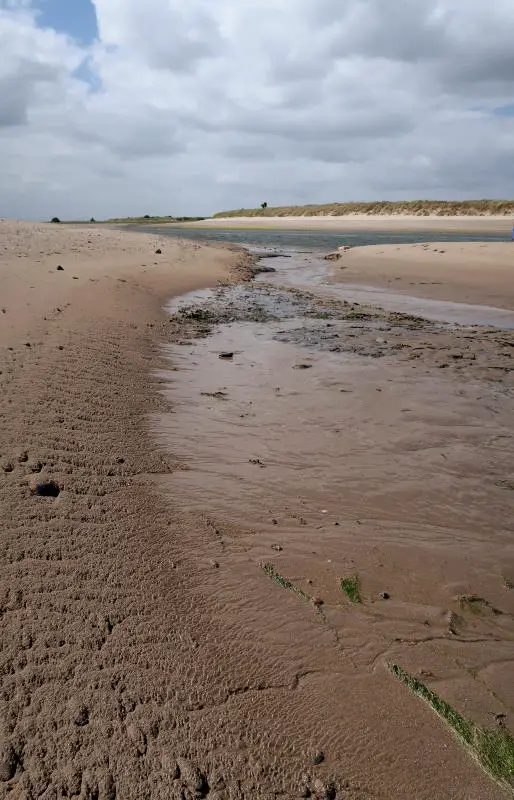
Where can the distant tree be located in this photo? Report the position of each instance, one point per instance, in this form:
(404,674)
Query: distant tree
(264,205)
(92,219)
(55,220)
(146,216)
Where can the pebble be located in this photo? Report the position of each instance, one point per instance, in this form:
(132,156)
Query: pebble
(192,777)
(60,269)
(274,521)
(318,757)
(48,489)
(226,356)
(158,252)
(277,547)
(7,466)
(214,564)
(384,595)
(317,601)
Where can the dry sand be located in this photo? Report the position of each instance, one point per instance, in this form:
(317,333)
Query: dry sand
(132,666)
(464,272)
(365,222)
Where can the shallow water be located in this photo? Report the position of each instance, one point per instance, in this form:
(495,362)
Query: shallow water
(316,240)
(326,464)
(308,272)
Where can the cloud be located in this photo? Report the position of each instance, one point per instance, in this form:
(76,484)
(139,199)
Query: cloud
(191,107)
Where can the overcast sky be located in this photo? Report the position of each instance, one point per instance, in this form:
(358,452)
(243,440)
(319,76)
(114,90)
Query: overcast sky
(121,107)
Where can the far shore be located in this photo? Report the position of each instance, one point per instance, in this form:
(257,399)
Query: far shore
(363,222)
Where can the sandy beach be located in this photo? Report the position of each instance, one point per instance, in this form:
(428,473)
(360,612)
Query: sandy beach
(363,222)
(145,652)
(464,272)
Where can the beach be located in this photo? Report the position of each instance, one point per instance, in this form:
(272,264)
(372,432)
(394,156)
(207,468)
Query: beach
(463,272)
(364,222)
(177,616)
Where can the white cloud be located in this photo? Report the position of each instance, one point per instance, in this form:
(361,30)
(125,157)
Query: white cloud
(207,104)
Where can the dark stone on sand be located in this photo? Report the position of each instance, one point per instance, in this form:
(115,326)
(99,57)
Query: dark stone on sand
(226,356)
(8,763)
(384,595)
(82,717)
(7,466)
(60,269)
(261,269)
(277,547)
(158,252)
(318,758)
(48,489)
(302,366)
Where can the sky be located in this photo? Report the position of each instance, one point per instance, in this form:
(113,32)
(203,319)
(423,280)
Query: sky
(188,107)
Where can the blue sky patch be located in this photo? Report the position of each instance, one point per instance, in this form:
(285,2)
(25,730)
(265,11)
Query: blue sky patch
(504,111)
(77,18)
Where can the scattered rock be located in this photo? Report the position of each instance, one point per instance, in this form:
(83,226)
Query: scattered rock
(277,547)
(226,356)
(23,457)
(384,596)
(192,777)
(8,762)
(158,252)
(82,717)
(35,465)
(318,757)
(214,564)
(137,736)
(332,256)
(7,466)
(60,269)
(274,521)
(317,601)
(302,366)
(256,461)
(48,489)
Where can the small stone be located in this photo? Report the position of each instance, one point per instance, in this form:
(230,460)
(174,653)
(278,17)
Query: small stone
(82,717)
(302,366)
(226,356)
(214,564)
(60,269)
(192,777)
(318,757)
(274,521)
(48,489)
(35,466)
(384,595)
(277,547)
(7,466)
(317,601)
(158,252)
(8,762)
(23,457)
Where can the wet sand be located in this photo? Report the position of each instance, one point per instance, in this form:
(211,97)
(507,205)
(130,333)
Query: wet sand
(145,652)
(341,441)
(463,272)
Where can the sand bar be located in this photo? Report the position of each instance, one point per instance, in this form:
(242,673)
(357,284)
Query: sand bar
(463,272)
(363,222)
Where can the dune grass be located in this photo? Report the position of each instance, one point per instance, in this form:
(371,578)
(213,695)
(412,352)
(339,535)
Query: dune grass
(352,588)
(493,749)
(419,208)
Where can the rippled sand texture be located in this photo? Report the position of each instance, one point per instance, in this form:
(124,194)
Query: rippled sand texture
(326,459)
